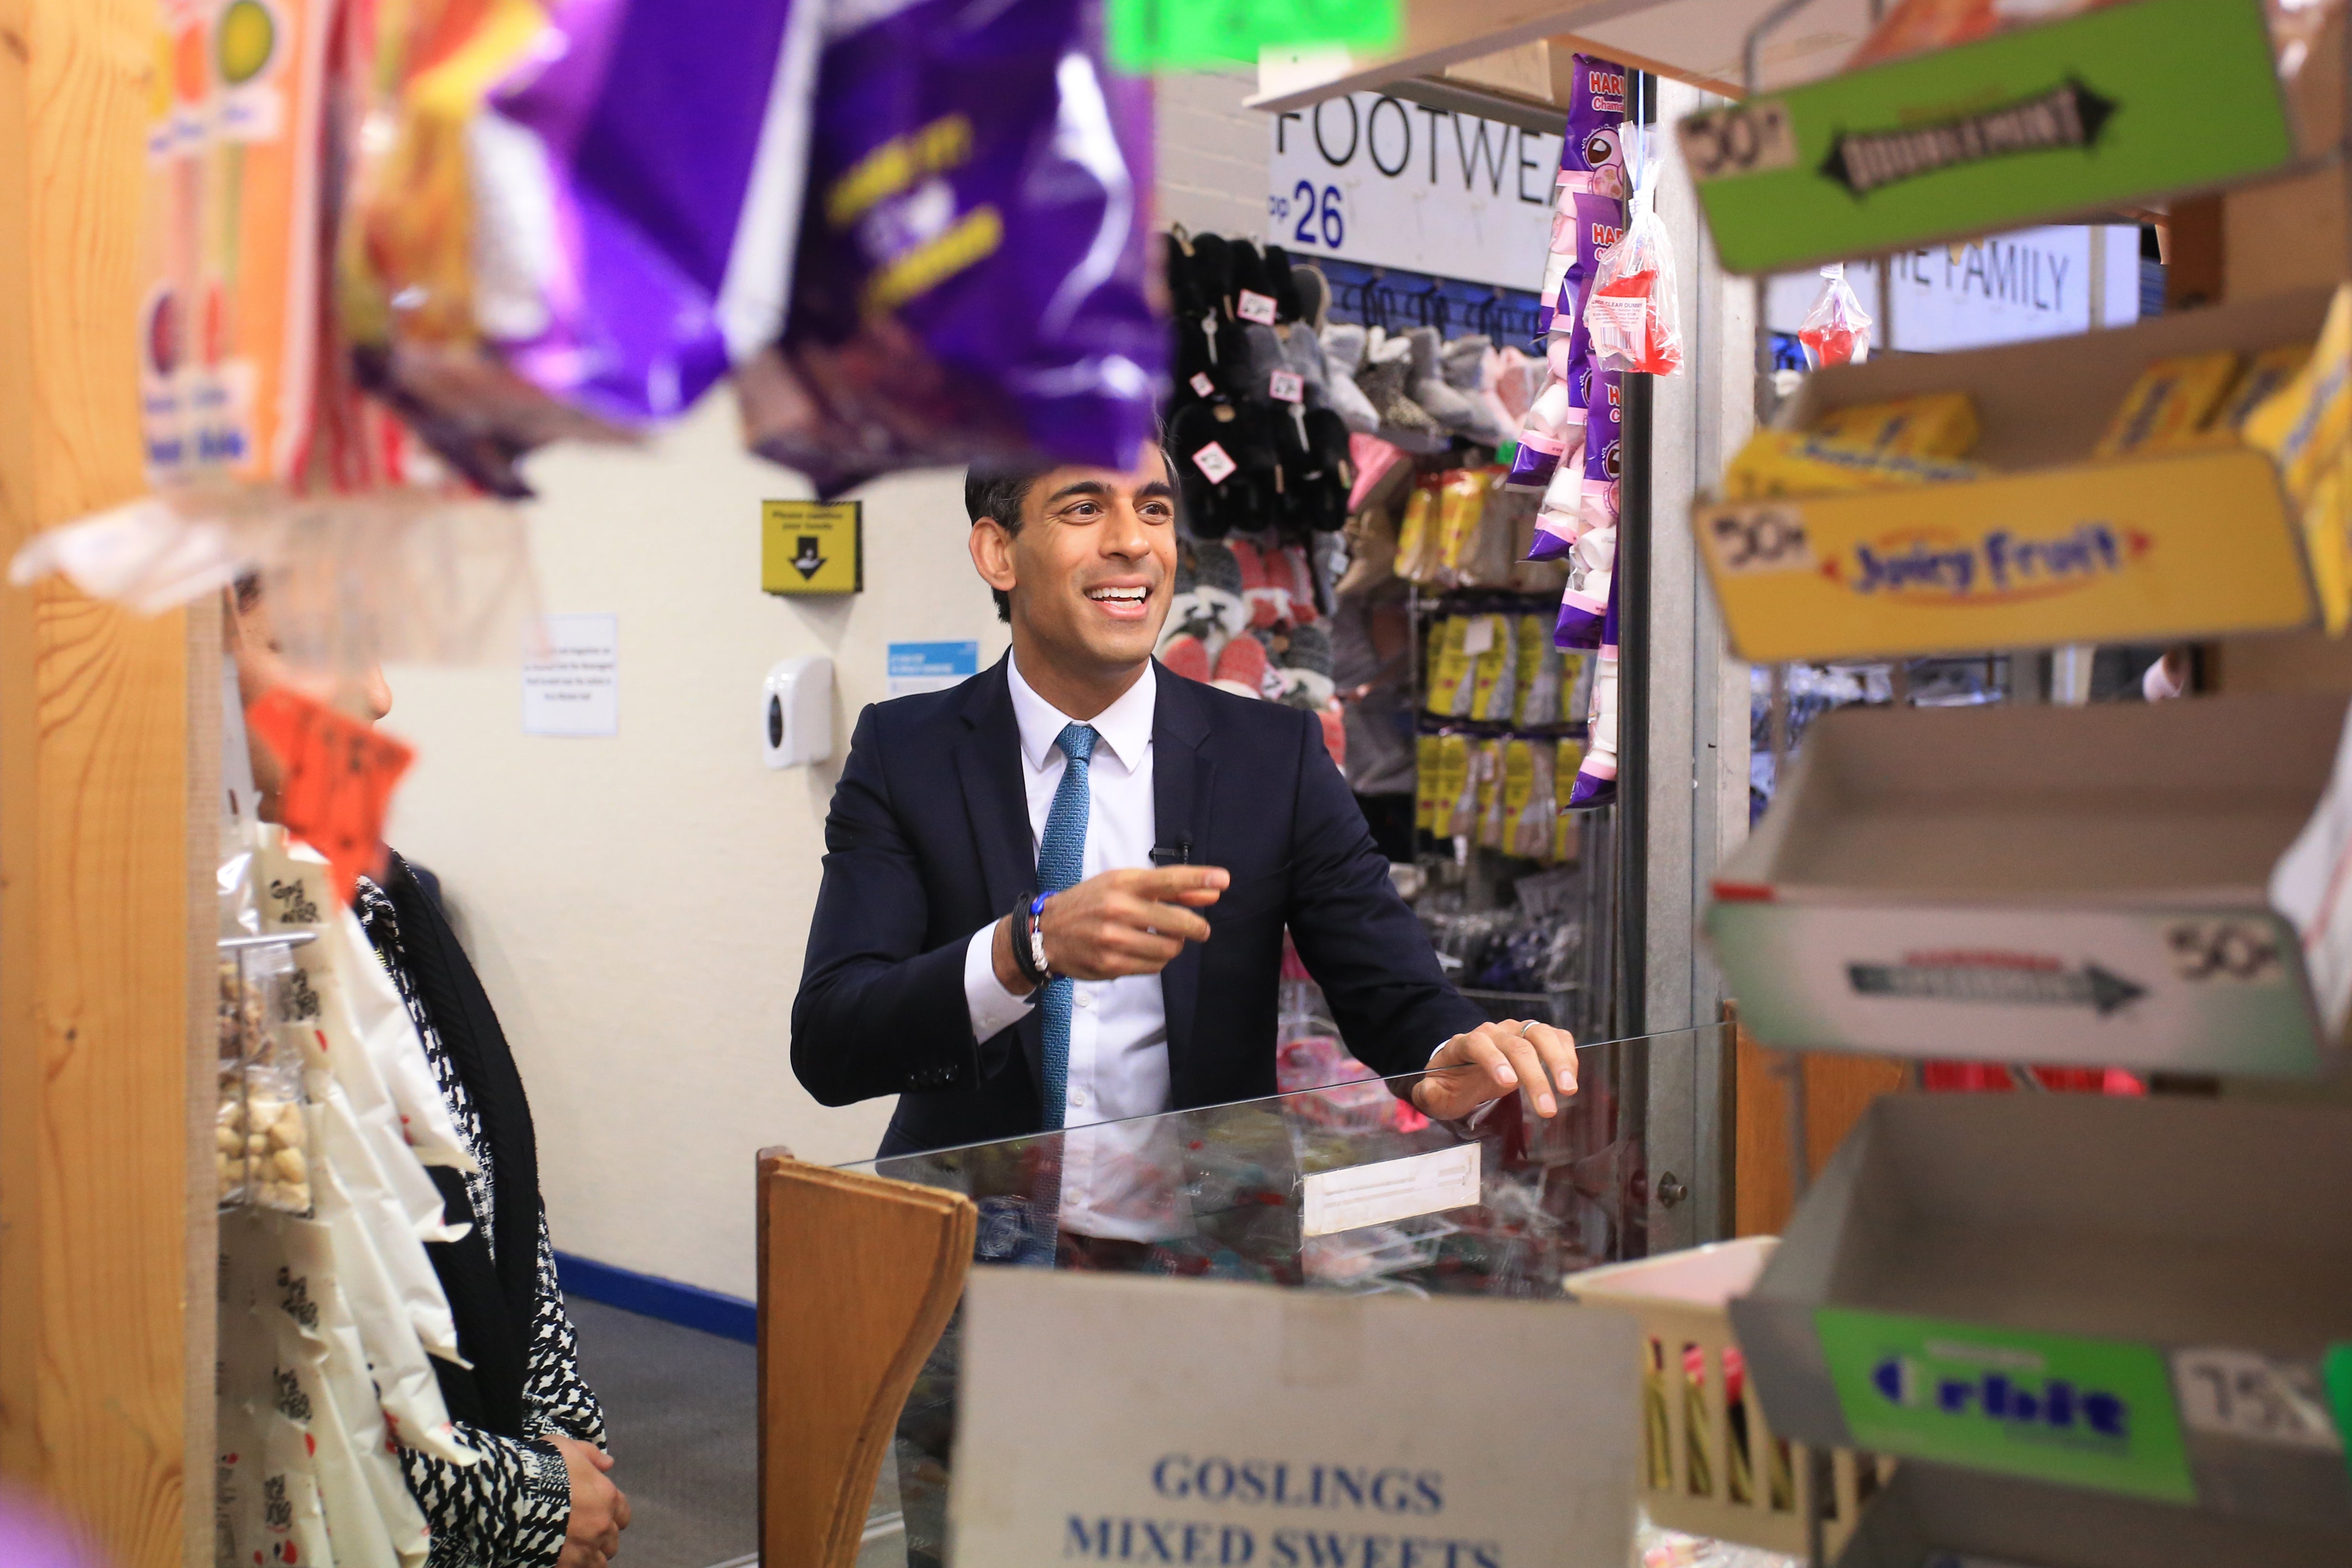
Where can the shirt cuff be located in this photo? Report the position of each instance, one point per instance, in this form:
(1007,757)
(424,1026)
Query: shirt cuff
(993,1009)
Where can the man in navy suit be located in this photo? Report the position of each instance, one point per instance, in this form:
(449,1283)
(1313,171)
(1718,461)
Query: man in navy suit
(1054,895)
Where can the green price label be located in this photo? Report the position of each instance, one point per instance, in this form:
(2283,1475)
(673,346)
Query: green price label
(2085,1412)
(1191,35)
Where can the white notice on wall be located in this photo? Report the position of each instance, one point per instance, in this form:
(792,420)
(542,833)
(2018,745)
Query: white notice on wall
(1107,1418)
(573,686)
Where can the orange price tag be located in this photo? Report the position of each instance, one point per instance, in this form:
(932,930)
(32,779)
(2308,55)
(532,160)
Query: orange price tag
(340,775)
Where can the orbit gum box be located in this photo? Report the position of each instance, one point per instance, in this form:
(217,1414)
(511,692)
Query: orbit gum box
(1854,528)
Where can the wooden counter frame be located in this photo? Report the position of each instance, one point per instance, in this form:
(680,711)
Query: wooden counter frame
(109,769)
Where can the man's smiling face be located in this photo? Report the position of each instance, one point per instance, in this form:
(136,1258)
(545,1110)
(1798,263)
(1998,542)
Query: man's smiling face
(1091,569)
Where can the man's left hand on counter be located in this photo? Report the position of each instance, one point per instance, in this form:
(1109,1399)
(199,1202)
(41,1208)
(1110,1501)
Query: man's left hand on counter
(1491,1061)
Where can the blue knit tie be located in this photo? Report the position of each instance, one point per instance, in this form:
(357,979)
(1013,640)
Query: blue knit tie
(1061,860)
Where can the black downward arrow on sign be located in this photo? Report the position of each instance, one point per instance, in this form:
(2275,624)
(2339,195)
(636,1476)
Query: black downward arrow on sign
(808,563)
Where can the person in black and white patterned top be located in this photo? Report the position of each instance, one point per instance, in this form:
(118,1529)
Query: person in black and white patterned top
(512,1509)
(540,1496)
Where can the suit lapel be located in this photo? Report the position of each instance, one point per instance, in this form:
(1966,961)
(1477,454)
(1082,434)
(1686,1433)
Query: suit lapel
(988,766)
(1184,772)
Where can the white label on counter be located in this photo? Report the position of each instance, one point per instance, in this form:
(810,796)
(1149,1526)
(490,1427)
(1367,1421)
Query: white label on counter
(2241,1394)
(1390,1190)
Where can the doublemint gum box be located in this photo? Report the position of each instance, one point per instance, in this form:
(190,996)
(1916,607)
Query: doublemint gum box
(2118,1296)
(2159,887)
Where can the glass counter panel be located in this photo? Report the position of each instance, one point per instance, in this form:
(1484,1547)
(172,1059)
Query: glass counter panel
(1505,1203)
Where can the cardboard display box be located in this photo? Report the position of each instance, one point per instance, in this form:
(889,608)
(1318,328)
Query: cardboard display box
(2119,106)
(2055,547)
(1934,1517)
(2153,887)
(2123,1296)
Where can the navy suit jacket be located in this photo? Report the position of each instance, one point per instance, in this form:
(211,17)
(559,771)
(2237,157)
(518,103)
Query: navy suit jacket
(928,840)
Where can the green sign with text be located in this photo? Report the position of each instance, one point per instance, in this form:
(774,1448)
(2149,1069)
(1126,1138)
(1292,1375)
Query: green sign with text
(2075,1412)
(2117,105)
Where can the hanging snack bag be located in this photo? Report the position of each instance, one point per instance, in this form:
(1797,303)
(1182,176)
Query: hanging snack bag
(1591,162)
(1446,663)
(1452,782)
(1631,310)
(972,276)
(359,1205)
(1531,818)
(1425,765)
(1419,537)
(571,221)
(1462,503)
(1584,604)
(1567,764)
(308,1296)
(1835,331)
(1535,689)
(1493,658)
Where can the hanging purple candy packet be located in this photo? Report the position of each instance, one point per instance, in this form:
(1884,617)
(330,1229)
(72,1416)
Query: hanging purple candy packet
(973,251)
(1591,161)
(1602,422)
(634,186)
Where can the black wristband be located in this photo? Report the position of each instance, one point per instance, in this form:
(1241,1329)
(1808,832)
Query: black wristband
(1022,960)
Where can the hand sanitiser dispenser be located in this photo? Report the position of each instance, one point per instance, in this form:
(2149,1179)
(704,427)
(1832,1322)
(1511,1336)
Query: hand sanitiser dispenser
(796,712)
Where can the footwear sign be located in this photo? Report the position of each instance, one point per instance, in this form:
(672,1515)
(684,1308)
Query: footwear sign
(813,547)
(2116,105)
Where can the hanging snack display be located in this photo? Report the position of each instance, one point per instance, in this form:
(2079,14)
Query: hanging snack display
(971,276)
(545,237)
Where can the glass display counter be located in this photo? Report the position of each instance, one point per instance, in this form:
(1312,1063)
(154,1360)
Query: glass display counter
(1343,1187)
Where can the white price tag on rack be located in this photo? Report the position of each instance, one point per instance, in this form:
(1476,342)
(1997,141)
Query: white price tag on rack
(1217,462)
(2259,1398)
(1287,386)
(1254,307)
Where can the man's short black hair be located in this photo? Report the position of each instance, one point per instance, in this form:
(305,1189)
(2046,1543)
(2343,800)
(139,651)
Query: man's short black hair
(997,490)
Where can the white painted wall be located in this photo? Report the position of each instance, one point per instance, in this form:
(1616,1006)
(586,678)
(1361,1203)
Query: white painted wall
(637,906)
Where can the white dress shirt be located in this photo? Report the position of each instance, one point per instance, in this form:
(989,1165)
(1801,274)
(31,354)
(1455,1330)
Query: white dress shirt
(1118,1028)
